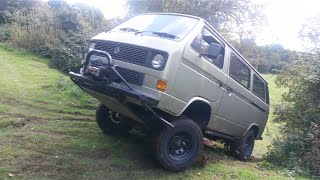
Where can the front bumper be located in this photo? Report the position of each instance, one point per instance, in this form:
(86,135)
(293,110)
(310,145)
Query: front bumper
(109,89)
(121,96)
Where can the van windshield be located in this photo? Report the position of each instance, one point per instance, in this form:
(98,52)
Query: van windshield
(165,26)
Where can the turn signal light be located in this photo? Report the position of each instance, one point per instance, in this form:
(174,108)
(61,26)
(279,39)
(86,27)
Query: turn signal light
(161,85)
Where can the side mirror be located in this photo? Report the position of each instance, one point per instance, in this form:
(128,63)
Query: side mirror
(214,50)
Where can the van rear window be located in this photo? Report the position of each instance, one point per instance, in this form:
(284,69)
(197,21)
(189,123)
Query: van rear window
(259,88)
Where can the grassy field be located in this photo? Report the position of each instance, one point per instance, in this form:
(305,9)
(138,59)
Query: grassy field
(47,131)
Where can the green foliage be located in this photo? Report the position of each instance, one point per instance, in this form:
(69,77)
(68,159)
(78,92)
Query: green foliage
(299,145)
(9,7)
(5,32)
(68,53)
(268,58)
(53,29)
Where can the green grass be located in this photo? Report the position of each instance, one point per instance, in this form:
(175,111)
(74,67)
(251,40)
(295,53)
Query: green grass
(47,131)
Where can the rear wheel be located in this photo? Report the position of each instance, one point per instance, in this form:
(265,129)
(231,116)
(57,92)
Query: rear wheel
(111,122)
(242,148)
(179,147)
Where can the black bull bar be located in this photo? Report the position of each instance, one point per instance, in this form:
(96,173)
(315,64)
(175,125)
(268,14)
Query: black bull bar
(105,87)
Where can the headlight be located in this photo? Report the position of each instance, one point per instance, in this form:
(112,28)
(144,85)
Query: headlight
(158,61)
(91,46)
(98,60)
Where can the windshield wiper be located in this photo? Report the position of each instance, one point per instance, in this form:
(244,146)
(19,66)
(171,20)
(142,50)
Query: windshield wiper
(129,29)
(167,35)
(161,34)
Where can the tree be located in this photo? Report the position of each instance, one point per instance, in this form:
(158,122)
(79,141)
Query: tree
(9,7)
(310,33)
(268,58)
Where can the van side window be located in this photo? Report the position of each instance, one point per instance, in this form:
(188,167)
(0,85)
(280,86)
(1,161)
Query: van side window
(259,88)
(239,71)
(201,44)
(267,95)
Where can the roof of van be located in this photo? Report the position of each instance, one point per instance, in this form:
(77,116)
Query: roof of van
(220,36)
(175,14)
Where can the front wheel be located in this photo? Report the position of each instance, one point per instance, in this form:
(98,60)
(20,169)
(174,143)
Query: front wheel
(111,122)
(242,149)
(179,147)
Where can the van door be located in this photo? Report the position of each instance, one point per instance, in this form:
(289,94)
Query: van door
(199,75)
(234,107)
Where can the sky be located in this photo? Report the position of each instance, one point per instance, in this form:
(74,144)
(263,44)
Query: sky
(110,8)
(284,18)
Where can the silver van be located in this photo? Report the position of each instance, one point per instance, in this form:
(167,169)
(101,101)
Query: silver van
(180,80)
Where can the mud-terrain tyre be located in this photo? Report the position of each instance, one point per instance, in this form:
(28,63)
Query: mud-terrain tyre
(242,148)
(177,148)
(105,119)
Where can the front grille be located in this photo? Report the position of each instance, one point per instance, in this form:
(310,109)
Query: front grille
(124,52)
(131,76)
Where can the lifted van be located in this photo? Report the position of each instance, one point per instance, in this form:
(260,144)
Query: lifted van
(178,78)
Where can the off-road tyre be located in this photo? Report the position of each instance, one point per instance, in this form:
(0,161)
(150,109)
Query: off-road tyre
(107,124)
(179,147)
(242,148)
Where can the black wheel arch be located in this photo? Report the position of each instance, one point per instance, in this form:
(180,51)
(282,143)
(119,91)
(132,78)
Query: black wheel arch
(255,128)
(199,111)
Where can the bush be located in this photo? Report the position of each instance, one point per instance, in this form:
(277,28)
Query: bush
(299,145)
(5,33)
(312,157)
(66,57)
(54,29)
